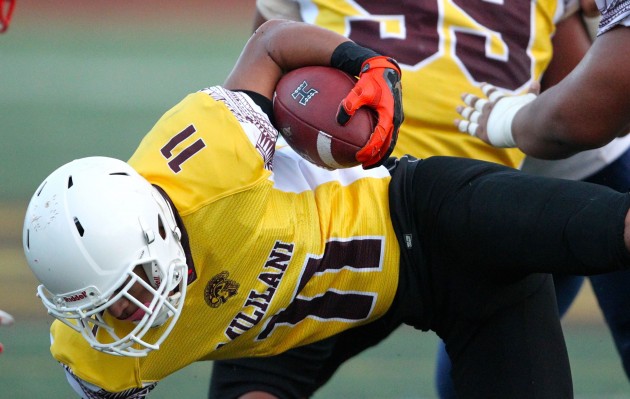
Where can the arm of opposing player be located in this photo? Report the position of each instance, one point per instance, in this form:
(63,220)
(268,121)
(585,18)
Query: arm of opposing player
(570,44)
(586,110)
(490,117)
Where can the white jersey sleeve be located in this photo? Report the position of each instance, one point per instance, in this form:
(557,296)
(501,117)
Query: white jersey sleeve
(581,165)
(284,9)
(614,13)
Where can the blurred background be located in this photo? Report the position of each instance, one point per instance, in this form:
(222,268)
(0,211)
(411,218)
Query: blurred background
(85,77)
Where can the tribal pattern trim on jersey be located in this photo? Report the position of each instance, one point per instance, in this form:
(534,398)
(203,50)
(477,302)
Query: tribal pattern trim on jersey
(614,12)
(255,123)
(89,393)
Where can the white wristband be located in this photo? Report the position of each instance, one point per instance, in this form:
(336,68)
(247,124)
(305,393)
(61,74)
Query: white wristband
(501,116)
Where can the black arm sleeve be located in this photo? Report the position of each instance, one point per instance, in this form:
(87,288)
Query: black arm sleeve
(492,217)
(349,57)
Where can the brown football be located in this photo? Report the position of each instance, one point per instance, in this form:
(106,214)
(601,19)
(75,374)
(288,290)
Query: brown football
(305,106)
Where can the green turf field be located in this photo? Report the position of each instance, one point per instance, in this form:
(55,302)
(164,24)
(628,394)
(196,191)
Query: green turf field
(399,368)
(73,86)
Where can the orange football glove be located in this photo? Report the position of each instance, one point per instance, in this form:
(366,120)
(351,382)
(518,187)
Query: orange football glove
(378,88)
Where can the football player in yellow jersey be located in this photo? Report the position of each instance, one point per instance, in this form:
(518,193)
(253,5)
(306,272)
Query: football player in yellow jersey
(210,244)
(443,49)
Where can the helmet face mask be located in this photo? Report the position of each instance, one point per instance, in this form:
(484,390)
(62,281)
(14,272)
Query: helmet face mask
(89,320)
(89,225)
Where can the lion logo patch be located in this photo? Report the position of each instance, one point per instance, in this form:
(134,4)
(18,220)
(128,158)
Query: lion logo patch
(219,289)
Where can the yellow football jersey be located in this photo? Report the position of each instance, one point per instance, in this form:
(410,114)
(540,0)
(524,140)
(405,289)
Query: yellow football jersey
(284,253)
(446,48)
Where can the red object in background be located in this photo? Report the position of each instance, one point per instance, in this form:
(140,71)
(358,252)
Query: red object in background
(6,12)
(5,320)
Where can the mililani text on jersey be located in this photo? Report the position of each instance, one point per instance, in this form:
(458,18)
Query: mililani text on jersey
(257,303)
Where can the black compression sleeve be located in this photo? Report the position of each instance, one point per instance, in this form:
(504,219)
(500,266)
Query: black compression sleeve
(349,57)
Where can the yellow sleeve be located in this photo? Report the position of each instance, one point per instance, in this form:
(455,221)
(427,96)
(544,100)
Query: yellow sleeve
(200,152)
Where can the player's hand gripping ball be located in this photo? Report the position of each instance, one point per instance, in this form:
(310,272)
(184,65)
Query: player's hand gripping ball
(378,88)
(305,107)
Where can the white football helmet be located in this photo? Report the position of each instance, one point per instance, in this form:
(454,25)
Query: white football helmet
(88,225)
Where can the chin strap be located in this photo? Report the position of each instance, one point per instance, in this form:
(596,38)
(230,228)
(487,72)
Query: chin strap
(165,312)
